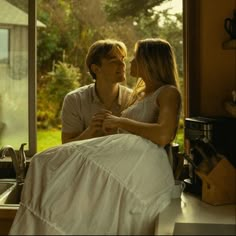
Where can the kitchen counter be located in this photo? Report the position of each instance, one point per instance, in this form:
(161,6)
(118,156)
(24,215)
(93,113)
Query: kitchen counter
(7,213)
(189,209)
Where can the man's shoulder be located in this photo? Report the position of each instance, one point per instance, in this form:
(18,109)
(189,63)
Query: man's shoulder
(86,89)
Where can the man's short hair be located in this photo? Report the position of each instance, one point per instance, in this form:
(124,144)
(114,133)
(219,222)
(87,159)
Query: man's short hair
(101,49)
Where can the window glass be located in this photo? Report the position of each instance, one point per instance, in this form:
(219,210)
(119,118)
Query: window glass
(71,27)
(4,46)
(14,123)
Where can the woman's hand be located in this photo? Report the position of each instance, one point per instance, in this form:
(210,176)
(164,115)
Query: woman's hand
(96,123)
(110,123)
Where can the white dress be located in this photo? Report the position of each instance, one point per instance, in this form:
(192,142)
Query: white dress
(117,184)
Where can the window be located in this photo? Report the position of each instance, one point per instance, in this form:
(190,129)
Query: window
(18,80)
(17,101)
(70,32)
(4,46)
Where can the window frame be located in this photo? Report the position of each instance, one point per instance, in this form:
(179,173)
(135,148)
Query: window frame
(32,42)
(191,56)
(32,55)
(191,32)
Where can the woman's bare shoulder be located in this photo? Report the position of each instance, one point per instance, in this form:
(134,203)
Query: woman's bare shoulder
(169,93)
(169,90)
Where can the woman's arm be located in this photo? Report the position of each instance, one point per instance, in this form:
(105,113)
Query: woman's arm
(163,131)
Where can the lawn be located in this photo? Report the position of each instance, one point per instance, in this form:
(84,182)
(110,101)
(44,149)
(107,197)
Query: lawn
(180,139)
(50,138)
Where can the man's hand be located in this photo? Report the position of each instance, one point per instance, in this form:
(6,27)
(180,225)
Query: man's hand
(110,123)
(96,124)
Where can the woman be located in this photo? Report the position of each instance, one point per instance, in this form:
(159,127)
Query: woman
(116,184)
(154,63)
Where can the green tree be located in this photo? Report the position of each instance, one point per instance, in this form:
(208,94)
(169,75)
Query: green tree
(120,9)
(54,86)
(148,22)
(65,37)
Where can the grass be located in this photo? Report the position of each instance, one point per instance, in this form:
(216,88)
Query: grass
(180,139)
(51,138)
(48,138)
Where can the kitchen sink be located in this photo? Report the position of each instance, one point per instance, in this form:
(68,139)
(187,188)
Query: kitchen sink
(10,192)
(4,186)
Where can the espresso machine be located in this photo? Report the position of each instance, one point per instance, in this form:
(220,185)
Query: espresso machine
(220,132)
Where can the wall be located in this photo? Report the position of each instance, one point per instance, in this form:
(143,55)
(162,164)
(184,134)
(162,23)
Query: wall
(217,67)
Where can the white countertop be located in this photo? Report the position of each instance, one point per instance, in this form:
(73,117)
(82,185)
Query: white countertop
(190,209)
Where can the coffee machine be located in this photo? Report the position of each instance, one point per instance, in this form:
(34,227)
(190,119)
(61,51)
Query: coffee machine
(220,131)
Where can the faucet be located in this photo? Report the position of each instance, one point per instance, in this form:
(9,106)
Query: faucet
(18,160)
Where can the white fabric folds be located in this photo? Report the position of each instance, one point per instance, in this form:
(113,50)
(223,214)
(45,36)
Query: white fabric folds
(116,184)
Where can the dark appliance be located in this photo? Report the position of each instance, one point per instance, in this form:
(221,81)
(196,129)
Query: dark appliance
(220,131)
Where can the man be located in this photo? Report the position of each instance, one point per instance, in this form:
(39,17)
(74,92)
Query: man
(84,109)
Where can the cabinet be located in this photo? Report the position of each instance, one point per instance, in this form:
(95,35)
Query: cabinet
(7,215)
(229,44)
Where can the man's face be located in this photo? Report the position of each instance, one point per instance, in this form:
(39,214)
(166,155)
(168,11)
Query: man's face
(112,68)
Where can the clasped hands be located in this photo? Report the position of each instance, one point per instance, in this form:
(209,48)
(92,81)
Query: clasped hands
(104,121)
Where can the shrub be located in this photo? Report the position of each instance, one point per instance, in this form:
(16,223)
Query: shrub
(53,88)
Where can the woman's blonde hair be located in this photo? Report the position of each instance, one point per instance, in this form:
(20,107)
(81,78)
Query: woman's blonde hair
(156,59)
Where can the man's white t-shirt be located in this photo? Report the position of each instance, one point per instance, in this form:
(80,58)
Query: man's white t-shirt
(81,104)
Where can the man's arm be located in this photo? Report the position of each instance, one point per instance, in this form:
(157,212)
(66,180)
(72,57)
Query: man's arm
(93,130)
(70,137)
